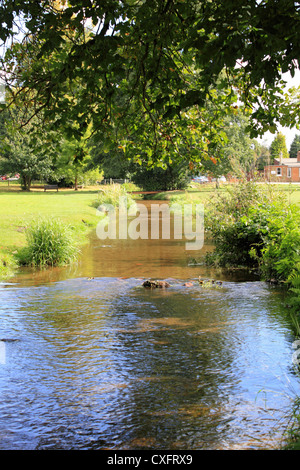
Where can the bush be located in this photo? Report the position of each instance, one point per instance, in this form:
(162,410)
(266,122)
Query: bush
(235,226)
(256,226)
(112,195)
(280,255)
(50,243)
(129,186)
(175,176)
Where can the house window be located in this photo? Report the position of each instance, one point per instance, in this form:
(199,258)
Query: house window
(278,171)
(289,172)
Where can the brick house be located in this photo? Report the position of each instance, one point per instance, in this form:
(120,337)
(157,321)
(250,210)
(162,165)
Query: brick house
(286,170)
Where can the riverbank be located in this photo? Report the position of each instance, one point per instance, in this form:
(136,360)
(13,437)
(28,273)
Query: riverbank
(203,192)
(18,210)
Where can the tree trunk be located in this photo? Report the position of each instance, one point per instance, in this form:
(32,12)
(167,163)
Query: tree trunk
(26,182)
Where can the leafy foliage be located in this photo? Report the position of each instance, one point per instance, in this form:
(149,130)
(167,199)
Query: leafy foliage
(148,69)
(256,227)
(7,264)
(174,176)
(278,147)
(295,297)
(73,163)
(234,226)
(295,147)
(24,151)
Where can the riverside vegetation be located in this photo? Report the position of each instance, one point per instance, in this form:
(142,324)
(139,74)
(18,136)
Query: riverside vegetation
(258,227)
(47,229)
(253,226)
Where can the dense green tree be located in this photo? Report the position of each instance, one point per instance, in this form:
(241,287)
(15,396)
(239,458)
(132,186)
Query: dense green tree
(263,156)
(295,146)
(144,64)
(237,154)
(278,147)
(110,159)
(175,176)
(22,157)
(73,164)
(23,151)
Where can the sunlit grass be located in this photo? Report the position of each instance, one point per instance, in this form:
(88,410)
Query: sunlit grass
(19,210)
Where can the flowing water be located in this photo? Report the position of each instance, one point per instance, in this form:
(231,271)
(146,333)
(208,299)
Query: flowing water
(90,359)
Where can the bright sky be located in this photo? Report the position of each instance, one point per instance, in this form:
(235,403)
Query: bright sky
(289,134)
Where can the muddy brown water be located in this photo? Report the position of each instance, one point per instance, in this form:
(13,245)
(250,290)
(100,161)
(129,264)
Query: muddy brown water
(90,359)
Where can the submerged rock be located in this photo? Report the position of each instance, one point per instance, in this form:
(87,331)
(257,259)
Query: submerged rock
(209,282)
(154,284)
(8,340)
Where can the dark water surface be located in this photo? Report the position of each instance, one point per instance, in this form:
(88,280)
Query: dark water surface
(91,359)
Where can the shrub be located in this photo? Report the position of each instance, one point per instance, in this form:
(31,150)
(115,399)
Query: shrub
(50,243)
(234,224)
(111,195)
(256,226)
(129,186)
(280,255)
(175,176)
(294,299)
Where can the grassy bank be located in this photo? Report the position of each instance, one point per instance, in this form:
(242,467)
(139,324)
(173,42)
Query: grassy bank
(202,193)
(18,211)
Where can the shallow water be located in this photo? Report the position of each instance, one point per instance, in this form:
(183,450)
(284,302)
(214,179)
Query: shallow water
(90,359)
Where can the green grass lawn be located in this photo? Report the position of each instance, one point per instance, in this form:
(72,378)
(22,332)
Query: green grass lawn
(203,192)
(19,209)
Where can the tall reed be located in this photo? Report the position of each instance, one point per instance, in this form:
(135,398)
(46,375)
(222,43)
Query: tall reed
(49,243)
(113,195)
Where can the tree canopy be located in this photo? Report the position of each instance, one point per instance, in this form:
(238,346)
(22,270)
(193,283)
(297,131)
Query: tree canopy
(26,152)
(278,147)
(149,68)
(295,146)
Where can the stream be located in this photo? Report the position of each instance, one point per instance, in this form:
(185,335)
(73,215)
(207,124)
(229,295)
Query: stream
(90,359)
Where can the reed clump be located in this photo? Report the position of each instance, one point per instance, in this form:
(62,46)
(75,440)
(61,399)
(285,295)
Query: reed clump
(113,195)
(50,242)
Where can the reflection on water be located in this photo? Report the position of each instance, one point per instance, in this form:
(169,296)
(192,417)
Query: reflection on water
(105,363)
(108,364)
(139,258)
